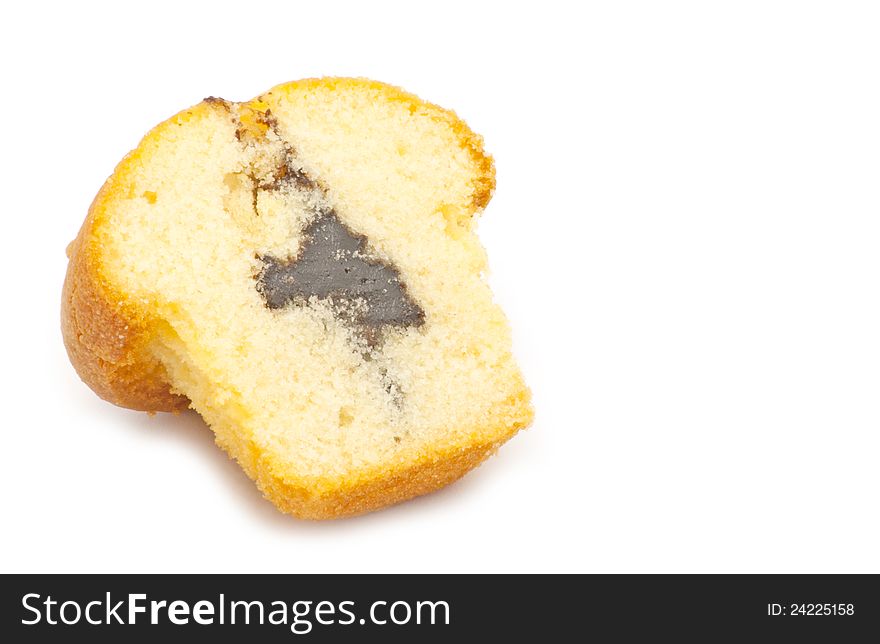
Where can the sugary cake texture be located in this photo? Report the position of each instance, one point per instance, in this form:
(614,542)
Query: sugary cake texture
(302,269)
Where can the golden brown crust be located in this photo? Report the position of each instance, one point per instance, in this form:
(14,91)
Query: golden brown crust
(105,339)
(108,340)
(380,489)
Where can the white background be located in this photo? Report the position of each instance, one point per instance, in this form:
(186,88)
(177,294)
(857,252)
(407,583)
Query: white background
(685,237)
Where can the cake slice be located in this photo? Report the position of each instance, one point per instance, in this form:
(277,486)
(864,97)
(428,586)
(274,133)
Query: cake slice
(302,269)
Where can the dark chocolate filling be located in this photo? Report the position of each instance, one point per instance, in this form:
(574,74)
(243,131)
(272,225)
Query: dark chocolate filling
(333,265)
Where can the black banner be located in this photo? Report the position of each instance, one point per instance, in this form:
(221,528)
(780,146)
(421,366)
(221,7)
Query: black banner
(319,608)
